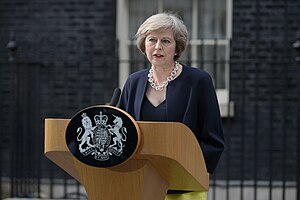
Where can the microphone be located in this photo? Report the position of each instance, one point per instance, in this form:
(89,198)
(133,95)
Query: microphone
(115,97)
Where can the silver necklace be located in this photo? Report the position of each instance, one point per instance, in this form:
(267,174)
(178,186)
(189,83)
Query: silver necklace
(166,82)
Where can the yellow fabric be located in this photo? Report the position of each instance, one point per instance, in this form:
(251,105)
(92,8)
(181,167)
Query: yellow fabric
(187,196)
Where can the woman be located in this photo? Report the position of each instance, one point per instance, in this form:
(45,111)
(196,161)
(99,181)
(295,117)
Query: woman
(171,91)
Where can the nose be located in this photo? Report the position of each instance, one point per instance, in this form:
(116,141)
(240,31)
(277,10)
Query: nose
(158,45)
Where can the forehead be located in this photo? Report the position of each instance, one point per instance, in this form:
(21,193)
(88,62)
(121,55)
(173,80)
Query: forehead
(161,34)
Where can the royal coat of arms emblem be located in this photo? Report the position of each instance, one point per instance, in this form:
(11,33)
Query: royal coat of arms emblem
(101,140)
(97,134)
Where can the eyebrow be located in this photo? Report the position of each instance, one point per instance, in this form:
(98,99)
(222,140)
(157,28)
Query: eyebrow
(170,38)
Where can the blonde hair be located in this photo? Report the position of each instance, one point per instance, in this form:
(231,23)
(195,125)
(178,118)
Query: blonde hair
(163,22)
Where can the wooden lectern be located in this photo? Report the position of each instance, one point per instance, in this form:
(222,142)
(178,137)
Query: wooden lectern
(168,157)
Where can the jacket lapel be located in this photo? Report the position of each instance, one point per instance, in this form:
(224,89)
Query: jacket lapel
(141,90)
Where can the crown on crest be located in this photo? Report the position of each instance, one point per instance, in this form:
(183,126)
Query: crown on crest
(100,119)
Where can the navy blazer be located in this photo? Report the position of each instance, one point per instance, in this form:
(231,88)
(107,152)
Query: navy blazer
(190,99)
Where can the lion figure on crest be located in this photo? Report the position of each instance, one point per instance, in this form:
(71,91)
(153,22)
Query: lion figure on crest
(87,135)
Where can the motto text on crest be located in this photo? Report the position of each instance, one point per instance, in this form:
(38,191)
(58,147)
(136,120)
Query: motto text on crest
(101,140)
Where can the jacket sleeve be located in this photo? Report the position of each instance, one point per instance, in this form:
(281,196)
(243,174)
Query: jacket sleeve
(211,137)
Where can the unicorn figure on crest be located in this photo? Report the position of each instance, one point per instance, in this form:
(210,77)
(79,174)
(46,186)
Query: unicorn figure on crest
(119,133)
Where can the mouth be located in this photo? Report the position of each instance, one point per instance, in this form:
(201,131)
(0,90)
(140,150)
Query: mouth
(158,55)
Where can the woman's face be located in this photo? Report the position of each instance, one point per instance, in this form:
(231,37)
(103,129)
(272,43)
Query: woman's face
(160,48)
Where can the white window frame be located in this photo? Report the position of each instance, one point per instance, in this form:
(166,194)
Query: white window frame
(226,106)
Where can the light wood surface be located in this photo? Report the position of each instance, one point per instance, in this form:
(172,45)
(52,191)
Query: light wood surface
(174,151)
(55,147)
(169,157)
(134,180)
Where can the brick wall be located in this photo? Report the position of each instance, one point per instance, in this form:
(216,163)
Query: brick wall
(65,61)
(262,136)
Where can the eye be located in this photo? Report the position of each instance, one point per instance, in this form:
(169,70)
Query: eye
(166,41)
(151,40)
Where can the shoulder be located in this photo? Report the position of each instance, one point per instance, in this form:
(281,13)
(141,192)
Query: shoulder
(196,74)
(136,76)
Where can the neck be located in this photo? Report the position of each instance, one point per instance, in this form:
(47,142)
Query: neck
(160,74)
(159,86)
